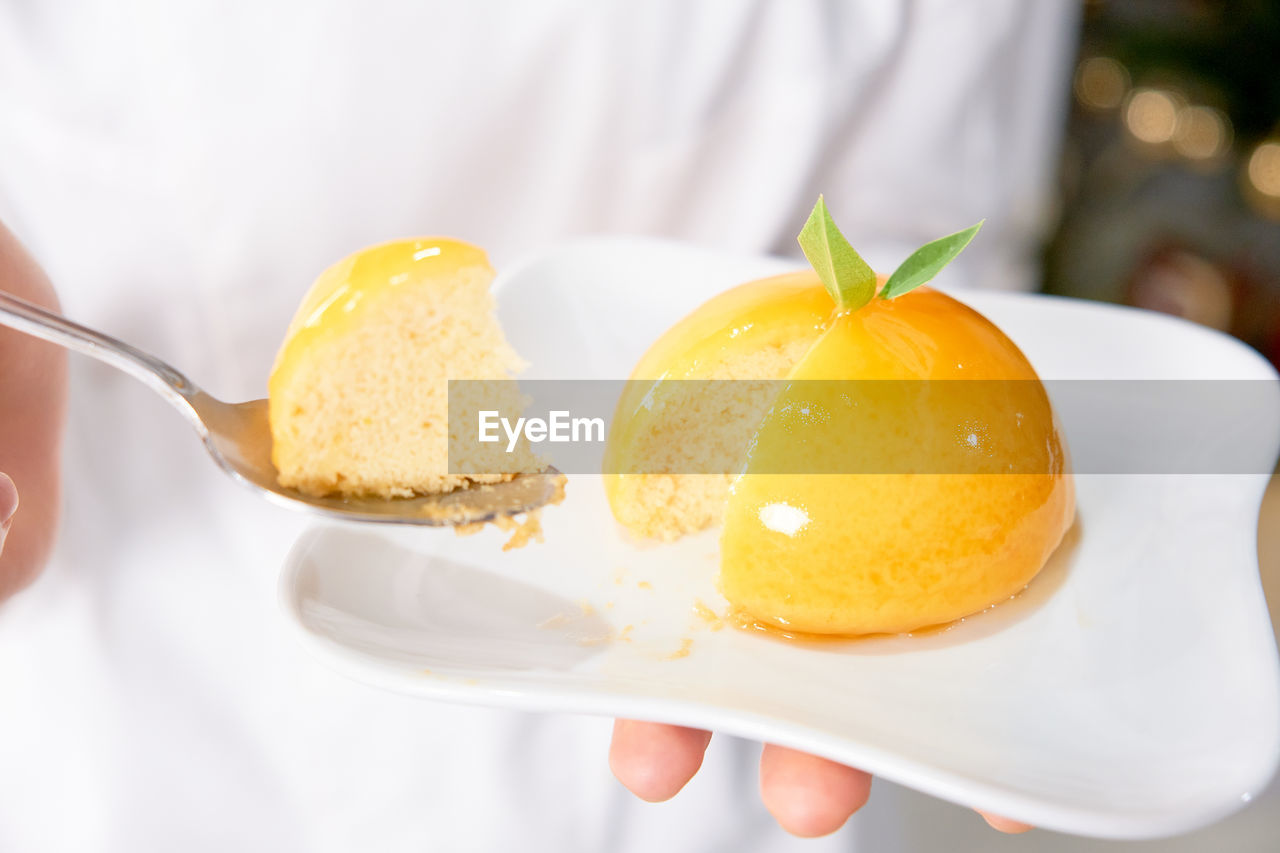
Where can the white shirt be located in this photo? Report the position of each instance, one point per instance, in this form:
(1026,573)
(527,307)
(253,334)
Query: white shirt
(183,170)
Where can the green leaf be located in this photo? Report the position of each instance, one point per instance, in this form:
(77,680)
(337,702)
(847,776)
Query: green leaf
(926,262)
(846,275)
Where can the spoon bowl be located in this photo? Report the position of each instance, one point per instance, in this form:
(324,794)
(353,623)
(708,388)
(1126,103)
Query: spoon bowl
(238,437)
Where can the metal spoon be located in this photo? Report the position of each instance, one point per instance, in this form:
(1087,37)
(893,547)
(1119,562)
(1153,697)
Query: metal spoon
(239,440)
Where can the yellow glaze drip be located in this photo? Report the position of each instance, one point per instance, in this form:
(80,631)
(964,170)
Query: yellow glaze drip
(345,290)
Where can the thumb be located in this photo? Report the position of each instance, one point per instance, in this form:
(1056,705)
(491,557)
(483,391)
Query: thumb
(8,503)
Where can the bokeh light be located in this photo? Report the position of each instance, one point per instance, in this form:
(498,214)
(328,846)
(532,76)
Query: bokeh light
(1202,133)
(1151,116)
(1101,83)
(1264,169)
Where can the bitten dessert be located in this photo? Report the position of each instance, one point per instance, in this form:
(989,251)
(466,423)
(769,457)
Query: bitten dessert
(943,498)
(359,395)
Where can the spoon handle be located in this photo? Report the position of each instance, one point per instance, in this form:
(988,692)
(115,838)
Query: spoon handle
(36,321)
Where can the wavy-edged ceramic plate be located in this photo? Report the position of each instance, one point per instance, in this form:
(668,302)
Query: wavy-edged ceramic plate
(1131,691)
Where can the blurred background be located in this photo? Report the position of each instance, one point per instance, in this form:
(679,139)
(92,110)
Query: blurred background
(1170,174)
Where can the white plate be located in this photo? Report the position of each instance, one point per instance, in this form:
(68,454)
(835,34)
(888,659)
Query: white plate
(1130,692)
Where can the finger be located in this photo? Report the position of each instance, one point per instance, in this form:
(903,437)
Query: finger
(810,796)
(1003,824)
(8,503)
(654,760)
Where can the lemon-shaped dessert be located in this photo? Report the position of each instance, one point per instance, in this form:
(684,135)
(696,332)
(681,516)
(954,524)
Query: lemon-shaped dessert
(909,471)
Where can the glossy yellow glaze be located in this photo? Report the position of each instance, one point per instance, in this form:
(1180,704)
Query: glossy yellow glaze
(741,320)
(343,291)
(855,553)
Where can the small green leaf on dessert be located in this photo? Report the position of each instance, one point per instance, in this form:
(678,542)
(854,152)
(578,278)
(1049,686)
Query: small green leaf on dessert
(926,262)
(846,275)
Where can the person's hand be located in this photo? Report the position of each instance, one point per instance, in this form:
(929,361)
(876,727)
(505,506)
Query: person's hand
(808,796)
(33,390)
(8,506)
